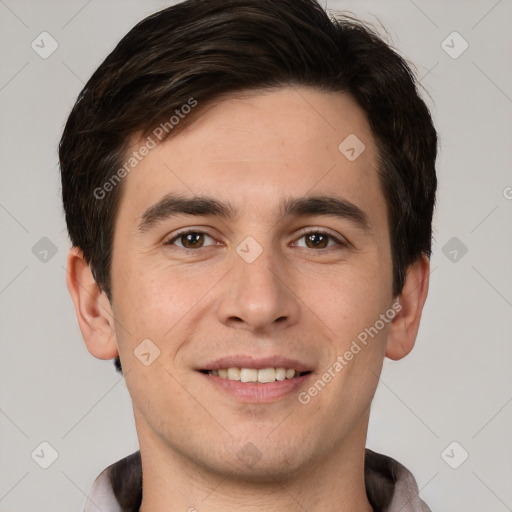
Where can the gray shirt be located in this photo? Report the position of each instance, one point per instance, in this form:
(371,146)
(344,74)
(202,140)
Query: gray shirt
(390,486)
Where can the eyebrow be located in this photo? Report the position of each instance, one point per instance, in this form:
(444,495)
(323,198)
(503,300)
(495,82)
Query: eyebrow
(172,205)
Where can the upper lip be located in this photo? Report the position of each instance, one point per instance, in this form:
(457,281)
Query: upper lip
(247,361)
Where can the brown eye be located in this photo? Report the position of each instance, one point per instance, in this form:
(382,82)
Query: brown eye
(192,240)
(189,240)
(320,240)
(317,240)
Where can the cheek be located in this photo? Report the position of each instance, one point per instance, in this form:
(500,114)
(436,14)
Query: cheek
(358,353)
(161,303)
(364,328)
(142,306)
(152,307)
(352,299)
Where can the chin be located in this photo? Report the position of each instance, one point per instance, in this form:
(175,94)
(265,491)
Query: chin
(252,462)
(264,471)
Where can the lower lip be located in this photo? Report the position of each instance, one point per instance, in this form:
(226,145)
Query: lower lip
(254,392)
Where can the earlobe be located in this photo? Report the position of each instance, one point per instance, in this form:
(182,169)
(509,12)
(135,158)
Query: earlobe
(93,310)
(404,327)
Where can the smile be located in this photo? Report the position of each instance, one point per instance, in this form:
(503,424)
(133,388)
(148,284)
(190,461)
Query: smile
(262,376)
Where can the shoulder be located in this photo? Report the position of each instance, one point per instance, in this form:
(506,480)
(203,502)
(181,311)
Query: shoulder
(390,485)
(118,488)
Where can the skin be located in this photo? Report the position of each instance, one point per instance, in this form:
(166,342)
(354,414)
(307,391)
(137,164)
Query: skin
(252,150)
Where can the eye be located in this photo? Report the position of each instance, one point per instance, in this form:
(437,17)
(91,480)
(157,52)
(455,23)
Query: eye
(190,239)
(317,239)
(314,239)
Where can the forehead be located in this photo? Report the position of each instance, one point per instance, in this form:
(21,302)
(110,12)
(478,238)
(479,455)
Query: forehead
(252,149)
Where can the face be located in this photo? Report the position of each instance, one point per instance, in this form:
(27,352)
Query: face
(260,277)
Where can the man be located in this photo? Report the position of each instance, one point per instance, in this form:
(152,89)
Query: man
(248,188)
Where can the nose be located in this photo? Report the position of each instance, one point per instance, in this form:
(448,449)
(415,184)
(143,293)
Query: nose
(258,295)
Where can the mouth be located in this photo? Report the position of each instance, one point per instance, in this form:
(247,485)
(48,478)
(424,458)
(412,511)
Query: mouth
(256,375)
(256,379)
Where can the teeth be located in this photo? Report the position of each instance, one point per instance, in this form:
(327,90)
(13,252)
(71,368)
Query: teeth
(248,375)
(267,375)
(280,374)
(263,375)
(234,374)
(290,374)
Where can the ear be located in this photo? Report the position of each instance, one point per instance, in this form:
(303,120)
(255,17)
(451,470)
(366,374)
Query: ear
(92,307)
(404,327)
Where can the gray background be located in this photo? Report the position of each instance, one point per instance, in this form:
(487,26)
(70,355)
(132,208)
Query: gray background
(454,386)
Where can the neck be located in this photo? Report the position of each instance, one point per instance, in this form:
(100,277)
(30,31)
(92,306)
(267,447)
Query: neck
(175,482)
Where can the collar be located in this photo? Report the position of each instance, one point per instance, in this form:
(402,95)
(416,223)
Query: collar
(390,486)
